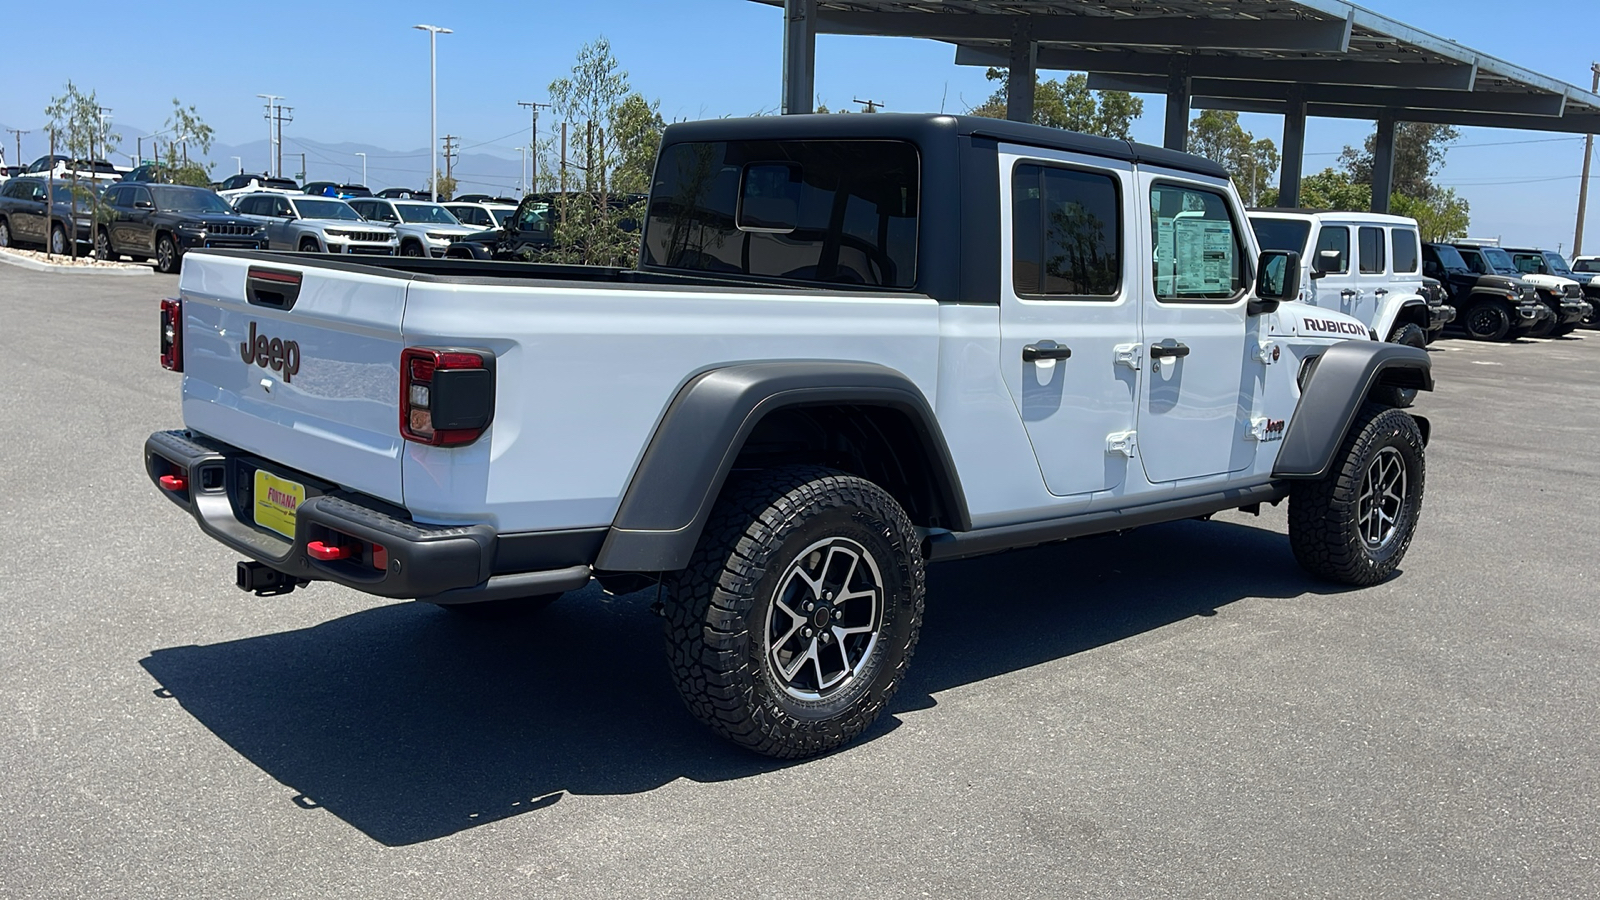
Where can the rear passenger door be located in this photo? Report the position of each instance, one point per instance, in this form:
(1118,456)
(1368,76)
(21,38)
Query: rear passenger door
(1201,383)
(138,231)
(1069,313)
(1372,272)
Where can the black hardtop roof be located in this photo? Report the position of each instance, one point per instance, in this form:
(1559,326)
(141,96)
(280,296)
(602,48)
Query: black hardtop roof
(930,128)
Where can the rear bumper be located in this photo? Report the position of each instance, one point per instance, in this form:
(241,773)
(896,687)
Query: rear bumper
(439,563)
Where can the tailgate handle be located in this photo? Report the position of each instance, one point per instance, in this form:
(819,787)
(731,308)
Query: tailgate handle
(275,288)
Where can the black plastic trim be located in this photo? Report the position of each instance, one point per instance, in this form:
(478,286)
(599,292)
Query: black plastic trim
(694,447)
(1334,391)
(945,546)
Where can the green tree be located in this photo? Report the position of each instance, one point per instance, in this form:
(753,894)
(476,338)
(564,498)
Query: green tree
(76,129)
(638,126)
(1217,135)
(1419,151)
(1440,217)
(183,126)
(1329,189)
(1069,104)
(447,186)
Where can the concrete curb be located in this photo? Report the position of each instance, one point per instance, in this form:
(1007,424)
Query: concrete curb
(36,266)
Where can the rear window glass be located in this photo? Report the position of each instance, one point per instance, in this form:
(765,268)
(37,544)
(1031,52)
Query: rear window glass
(1372,261)
(840,212)
(1066,233)
(1405,249)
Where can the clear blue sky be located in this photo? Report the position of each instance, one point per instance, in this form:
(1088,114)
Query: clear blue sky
(357,72)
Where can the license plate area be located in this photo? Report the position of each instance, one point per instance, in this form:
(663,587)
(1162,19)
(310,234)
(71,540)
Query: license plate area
(275,502)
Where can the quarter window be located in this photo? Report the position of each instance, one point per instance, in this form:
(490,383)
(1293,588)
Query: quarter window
(1404,242)
(1066,233)
(1372,261)
(1198,254)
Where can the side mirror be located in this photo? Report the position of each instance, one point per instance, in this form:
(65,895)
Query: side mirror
(1277,280)
(1327,261)
(143,204)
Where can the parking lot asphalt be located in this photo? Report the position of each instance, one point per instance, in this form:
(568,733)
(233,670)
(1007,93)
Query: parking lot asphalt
(1175,712)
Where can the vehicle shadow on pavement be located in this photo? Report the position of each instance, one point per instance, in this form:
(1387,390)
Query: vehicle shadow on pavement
(411,724)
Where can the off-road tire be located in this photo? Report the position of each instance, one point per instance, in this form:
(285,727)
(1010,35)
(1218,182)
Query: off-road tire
(768,531)
(1411,335)
(1326,516)
(508,608)
(168,260)
(1487,320)
(1592,320)
(5,233)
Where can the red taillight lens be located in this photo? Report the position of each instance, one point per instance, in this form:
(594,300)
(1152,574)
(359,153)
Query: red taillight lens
(172,335)
(446,396)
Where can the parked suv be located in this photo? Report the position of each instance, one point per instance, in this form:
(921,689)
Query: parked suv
(399,193)
(482,216)
(23,219)
(425,229)
(1490,307)
(165,221)
(1549,262)
(528,231)
(1562,296)
(316,225)
(335,189)
(1440,311)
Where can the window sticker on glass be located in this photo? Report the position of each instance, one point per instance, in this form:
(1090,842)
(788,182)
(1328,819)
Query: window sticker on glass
(1197,246)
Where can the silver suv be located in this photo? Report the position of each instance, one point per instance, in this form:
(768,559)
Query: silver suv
(316,225)
(425,229)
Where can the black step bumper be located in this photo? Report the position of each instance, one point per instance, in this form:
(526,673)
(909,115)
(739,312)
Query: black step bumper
(441,563)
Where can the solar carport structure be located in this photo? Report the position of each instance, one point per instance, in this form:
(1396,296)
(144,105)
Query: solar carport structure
(1297,58)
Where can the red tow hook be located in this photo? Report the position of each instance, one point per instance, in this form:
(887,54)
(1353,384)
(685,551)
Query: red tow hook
(174,483)
(327,552)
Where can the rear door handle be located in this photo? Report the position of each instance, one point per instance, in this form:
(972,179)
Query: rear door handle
(1045,350)
(1347,293)
(1172,350)
(1380,292)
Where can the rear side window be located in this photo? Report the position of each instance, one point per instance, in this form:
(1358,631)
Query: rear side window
(1372,261)
(1404,242)
(1199,254)
(840,212)
(1066,233)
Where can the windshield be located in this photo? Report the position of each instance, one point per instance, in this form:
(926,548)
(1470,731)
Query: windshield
(1449,258)
(1501,261)
(1281,234)
(324,209)
(1556,263)
(534,217)
(425,214)
(502,215)
(177,199)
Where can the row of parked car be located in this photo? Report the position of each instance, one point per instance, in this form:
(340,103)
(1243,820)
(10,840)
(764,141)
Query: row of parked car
(141,217)
(1376,268)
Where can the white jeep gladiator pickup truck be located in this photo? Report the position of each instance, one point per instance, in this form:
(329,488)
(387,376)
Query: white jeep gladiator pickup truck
(852,345)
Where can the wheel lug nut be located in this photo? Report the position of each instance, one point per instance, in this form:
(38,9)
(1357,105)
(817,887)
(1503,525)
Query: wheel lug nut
(827,595)
(810,606)
(838,614)
(826,637)
(808,632)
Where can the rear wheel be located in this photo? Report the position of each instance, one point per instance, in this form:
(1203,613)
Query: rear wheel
(1411,335)
(168,260)
(5,233)
(1487,320)
(102,246)
(1355,524)
(796,619)
(58,240)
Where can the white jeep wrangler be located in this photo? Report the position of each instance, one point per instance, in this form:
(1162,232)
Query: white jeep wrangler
(852,345)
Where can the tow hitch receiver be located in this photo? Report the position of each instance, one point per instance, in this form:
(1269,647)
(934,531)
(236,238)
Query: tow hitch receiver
(265,581)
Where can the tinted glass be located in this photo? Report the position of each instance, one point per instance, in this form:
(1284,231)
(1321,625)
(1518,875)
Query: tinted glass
(1586,265)
(1337,238)
(177,199)
(1556,263)
(138,194)
(1448,256)
(1474,261)
(1500,260)
(1372,261)
(317,208)
(425,214)
(1528,263)
(1281,234)
(1198,254)
(1404,242)
(1066,232)
(854,213)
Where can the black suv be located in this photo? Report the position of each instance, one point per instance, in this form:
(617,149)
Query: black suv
(1549,262)
(22,215)
(528,231)
(1489,307)
(166,220)
(1565,302)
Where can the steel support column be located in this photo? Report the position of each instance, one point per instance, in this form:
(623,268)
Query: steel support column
(1179,90)
(1022,75)
(1294,148)
(1383,162)
(799,55)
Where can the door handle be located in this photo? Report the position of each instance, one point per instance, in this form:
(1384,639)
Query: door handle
(1173,350)
(1347,293)
(1380,292)
(1045,350)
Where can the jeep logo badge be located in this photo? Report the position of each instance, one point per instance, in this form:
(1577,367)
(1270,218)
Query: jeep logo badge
(277,354)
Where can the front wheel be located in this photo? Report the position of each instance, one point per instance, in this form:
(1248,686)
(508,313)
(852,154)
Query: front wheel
(1355,524)
(58,240)
(5,233)
(796,619)
(102,246)
(1411,335)
(411,248)
(167,258)
(1487,321)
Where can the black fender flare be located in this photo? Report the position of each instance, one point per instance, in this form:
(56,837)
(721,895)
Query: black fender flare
(1335,389)
(683,469)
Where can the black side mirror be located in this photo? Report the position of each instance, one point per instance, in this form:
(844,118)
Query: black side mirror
(1277,280)
(143,204)
(1327,262)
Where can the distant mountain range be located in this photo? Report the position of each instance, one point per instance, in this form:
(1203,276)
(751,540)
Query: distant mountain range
(474,172)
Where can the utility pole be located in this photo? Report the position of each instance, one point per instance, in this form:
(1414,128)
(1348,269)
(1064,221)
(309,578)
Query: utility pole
(302,168)
(272,133)
(363,167)
(533,141)
(868,106)
(1583,186)
(451,151)
(283,116)
(19,132)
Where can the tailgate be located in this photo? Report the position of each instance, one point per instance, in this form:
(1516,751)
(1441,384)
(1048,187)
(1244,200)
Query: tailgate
(304,375)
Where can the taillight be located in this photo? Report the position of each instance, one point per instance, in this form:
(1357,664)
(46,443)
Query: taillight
(446,396)
(172,335)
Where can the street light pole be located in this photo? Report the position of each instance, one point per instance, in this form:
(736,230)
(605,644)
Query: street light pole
(522,185)
(1583,186)
(238,162)
(533,140)
(433,90)
(363,167)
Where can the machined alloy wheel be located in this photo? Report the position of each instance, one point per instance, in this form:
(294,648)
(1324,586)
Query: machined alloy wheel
(167,260)
(5,233)
(1487,321)
(795,621)
(58,240)
(102,245)
(1382,502)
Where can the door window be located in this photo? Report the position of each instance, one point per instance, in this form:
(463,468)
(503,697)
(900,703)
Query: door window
(1336,238)
(136,194)
(1371,246)
(1199,256)
(1405,250)
(1066,233)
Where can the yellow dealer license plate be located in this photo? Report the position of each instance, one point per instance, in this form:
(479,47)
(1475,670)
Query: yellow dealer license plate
(277,500)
